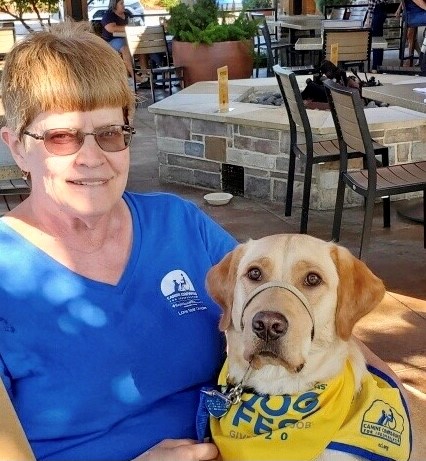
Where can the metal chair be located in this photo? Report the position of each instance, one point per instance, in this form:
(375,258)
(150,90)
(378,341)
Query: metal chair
(149,40)
(274,58)
(12,185)
(259,42)
(308,151)
(371,182)
(276,52)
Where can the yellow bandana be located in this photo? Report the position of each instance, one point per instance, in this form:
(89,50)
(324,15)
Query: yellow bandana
(373,423)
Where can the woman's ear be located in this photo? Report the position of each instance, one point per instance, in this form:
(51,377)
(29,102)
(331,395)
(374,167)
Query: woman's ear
(16,147)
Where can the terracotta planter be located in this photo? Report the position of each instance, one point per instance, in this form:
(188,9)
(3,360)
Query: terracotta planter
(200,62)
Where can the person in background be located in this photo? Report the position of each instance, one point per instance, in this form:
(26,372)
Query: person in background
(376,17)
(114,20)
(412,32)
(107,332)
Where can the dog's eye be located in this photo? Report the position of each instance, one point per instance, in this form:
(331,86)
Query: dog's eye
(254,274)
(313,279)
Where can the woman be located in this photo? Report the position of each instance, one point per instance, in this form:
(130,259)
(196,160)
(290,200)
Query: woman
(114,20)
(101,356)
(415,15)
(376,17)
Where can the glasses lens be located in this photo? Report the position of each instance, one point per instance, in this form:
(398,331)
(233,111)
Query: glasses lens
(63,141)
(113,138)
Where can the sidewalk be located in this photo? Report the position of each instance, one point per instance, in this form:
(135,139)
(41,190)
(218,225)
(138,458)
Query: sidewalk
(396,330)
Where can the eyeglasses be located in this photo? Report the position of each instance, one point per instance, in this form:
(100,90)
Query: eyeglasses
(67,141)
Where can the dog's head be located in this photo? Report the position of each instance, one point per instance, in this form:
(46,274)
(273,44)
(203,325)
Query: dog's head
(281,293)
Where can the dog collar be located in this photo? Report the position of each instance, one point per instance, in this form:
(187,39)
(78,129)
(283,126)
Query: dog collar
(285,286)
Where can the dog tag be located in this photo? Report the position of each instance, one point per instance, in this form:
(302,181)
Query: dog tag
(216,403)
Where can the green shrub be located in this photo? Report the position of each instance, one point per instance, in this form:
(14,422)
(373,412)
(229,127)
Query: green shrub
(204,23)
(256,4)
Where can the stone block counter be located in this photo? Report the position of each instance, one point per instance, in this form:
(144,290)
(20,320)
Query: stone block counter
(246,150)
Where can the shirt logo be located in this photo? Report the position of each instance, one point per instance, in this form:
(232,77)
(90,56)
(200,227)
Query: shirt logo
(383,421)
(178,289)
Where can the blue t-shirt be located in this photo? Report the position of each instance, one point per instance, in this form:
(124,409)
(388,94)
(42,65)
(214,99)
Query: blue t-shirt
(108,18)
(103,372)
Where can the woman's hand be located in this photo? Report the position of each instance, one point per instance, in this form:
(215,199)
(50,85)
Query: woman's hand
(180,450)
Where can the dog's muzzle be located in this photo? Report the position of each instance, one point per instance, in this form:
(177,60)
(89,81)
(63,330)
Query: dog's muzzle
(285,286)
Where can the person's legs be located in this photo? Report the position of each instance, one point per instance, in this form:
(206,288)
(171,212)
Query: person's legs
(120,45)
(377,23)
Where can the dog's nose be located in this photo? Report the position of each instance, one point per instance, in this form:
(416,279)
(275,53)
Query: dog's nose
(269,325)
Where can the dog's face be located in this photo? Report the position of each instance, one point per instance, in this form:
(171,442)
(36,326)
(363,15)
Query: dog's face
(329,291)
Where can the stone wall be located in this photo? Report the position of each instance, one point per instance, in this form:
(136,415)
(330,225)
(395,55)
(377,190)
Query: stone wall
(193,152)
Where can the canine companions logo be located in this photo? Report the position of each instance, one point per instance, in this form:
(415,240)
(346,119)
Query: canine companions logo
(383,421)
(177,287)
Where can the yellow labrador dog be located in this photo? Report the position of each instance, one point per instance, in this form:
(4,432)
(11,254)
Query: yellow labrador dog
(295,385)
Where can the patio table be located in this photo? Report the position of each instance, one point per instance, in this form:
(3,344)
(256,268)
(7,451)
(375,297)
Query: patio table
(301,22)
(403,95)
(315,44)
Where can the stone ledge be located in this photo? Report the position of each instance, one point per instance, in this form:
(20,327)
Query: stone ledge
(200,102)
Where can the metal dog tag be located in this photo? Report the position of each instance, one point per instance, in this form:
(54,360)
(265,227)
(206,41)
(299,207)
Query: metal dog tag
(216,403)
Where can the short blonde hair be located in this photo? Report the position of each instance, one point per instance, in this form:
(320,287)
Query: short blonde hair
(67,68)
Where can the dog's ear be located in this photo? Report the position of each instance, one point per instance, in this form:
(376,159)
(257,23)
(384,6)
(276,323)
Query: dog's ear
(220,283)
(358,293)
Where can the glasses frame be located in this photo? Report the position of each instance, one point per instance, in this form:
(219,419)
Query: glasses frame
(81,136)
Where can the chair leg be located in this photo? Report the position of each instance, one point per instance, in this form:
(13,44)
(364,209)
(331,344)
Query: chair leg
(366,228)
(152,85)
(290,184)
(338,210)
(386,212)
(402,45)
(424,218)
(306,198)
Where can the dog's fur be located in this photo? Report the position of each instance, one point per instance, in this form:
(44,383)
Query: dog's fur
(339,288)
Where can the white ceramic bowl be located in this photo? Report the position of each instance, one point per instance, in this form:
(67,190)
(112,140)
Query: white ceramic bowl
(218,198)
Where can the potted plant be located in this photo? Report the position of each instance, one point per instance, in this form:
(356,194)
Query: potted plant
(205,39)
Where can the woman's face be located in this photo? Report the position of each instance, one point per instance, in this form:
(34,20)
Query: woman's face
(120,7)
(88,183)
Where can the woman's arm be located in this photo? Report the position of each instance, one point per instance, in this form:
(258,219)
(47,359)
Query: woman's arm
(180,450)
(13,442)
(113,27)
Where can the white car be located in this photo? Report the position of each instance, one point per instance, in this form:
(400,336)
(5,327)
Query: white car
(97,8)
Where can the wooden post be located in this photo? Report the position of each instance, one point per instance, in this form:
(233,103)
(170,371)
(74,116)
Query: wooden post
(76,9)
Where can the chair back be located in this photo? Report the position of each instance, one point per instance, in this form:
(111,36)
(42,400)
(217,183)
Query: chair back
(7,39)
(147,40)
(294,105)
(358,13)
(352,130)
(264,30)
(337,13)
(354,45)
(340,24)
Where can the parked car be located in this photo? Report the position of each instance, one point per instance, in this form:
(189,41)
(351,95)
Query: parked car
(97,8)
